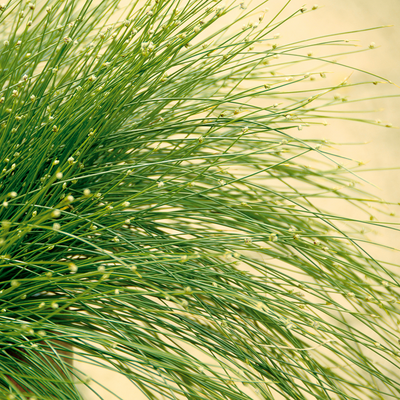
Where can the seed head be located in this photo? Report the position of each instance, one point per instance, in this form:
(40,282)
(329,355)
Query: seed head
(56,226)
(73,268)
(56,213)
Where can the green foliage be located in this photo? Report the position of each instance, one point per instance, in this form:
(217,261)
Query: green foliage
(161,214)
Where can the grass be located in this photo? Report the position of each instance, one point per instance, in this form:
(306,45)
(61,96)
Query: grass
(163,216)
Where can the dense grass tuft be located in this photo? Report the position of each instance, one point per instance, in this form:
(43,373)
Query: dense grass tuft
(162,215)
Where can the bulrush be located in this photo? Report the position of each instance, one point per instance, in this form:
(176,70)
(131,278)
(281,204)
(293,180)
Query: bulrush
(162,197)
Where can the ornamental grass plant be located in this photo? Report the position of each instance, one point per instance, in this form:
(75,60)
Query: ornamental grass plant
(163,210)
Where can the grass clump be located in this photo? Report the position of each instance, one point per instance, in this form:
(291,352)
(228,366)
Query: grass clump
(161,213)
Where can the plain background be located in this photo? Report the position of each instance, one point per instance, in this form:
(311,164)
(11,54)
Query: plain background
(383,148)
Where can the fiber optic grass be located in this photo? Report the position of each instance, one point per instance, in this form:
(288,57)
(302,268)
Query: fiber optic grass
(161,201)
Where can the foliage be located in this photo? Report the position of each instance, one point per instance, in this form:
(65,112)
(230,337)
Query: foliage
(162,215)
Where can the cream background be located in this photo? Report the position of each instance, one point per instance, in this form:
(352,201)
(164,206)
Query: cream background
(383,150)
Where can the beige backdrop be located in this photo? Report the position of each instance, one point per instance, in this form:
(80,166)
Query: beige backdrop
(383,149)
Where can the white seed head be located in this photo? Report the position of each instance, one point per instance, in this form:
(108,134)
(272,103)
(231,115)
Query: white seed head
(86,192)
(73,268)
(56,213)
(59,175)
(126,204)
(56,226)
